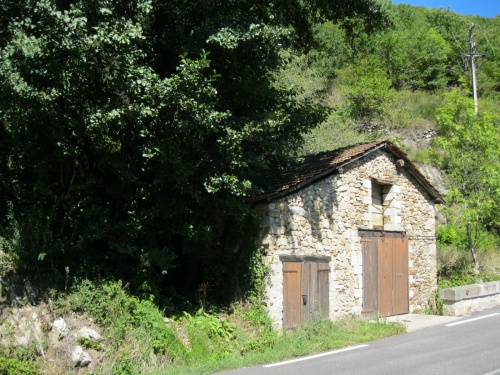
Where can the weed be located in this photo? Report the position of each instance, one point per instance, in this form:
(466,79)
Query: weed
(124,368)
(335,133)
(22,360)
(10,365)
(413,110)
(135,328)
(311,337)
(260,333)
(89,344)
(421,156)
(210,336)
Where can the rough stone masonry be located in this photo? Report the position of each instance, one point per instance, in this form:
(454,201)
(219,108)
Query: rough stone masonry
(323,219)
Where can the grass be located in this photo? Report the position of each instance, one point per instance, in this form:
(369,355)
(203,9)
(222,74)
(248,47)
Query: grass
(139,341)
(335,133)
(413,110)
(455,267)
(307,339)
(410,111)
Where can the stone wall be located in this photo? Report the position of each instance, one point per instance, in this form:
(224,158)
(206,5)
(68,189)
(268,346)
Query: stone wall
(323,219)
(464,299)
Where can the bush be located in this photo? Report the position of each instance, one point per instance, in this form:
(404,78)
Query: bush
(135,328)
(369,92)
(22,360)
(16,366)
(455,236)
(211,336)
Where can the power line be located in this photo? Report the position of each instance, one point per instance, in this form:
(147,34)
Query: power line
(486,37)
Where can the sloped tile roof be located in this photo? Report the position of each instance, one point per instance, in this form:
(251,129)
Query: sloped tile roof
(320,165)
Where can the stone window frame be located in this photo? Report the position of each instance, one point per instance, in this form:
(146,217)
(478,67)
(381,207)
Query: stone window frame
(390,219)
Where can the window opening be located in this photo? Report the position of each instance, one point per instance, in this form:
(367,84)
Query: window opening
(379,204)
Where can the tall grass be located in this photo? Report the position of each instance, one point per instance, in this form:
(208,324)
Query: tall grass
(137,338)
(307,339)
(140,341)
(413,110)
(456,268)
(335,133)
(410,111)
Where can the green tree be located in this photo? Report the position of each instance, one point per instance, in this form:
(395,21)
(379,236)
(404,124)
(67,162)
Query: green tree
(369,91)
(468,149)
(132,130)
(413,52)
(331,51)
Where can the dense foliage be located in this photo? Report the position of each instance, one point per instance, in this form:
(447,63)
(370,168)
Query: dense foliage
(420,49)
(468,150)
(131,131)
(138,340)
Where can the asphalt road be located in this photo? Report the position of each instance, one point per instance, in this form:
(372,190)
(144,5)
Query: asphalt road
(470,345)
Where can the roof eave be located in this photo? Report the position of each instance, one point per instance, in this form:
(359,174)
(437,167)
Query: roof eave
(330,171)
(396,151)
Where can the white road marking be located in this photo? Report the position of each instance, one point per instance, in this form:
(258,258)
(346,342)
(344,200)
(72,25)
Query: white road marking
(494,372)
(316,356)
(471,320)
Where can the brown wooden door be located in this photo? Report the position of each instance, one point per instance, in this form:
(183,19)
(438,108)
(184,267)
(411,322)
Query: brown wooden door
(400,251)
(393,276)
(305,292)
(386,295)
(323,291)
(369,248)
(292,274)
(308,295)
(385,276)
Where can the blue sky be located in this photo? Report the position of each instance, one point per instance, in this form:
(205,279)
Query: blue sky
(485,8)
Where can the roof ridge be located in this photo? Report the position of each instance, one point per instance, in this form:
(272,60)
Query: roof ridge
(319,165)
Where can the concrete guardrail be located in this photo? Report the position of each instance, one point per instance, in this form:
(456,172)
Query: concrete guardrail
(461,300)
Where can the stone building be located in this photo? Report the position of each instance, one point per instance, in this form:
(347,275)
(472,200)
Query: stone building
(350,231)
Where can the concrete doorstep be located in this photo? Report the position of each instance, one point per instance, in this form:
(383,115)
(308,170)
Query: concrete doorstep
(414,322)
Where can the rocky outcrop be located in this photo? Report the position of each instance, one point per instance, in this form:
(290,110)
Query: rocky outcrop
(70,344)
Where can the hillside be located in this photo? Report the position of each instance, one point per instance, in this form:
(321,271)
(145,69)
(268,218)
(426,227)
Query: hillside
(390,82)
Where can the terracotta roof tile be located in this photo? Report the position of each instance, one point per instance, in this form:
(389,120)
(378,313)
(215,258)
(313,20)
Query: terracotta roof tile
(316,165)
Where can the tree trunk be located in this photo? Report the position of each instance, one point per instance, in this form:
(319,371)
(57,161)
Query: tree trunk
(472,248)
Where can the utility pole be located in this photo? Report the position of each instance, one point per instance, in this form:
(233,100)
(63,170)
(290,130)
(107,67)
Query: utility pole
(473,54)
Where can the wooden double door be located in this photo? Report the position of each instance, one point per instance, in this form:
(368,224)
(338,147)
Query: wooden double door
(305,289)
(385,273)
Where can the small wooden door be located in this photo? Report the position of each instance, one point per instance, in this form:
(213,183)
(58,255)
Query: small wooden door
(370,277)
(292,274)
(305,292)
(385,275)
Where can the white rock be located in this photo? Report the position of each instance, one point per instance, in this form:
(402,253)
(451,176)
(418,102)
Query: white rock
(89,333)
(61,327)
(76,353)
(79,357)
(21,340)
